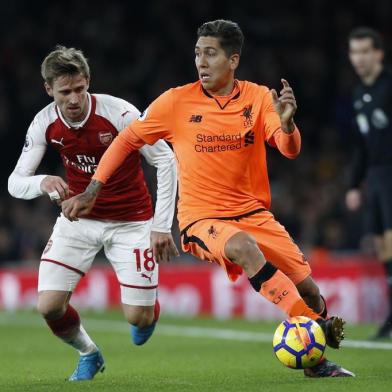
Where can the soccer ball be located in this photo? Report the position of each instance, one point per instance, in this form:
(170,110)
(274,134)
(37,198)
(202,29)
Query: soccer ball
(299,342)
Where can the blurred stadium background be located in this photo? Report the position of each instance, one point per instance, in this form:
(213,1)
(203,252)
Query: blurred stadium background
(139,49)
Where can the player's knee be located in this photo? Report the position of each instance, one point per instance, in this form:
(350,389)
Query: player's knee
(51,310)
(243,250)
(140,316)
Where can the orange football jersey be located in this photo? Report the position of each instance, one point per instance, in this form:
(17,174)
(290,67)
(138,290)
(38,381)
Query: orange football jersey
(219,143)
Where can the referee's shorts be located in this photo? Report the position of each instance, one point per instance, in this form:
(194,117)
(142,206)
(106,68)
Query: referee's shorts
(379,199)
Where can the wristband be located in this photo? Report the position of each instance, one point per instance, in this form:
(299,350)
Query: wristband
(54,195)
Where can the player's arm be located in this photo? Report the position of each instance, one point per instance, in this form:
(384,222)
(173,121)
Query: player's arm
(161,156)
(152,125)
(281,131)
(23,183)
(353,197)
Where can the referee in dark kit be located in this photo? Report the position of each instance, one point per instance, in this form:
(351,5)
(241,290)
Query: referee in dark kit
(372,162)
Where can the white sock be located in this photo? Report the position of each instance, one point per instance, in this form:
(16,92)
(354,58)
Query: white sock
(81,341)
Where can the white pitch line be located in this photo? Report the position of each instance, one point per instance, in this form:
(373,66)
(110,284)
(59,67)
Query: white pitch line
(229,334)
(187,331)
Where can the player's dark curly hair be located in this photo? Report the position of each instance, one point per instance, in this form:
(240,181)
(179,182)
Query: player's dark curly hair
(228,33)
(367,32)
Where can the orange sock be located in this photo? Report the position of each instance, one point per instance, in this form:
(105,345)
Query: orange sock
(275,286)
(300,308)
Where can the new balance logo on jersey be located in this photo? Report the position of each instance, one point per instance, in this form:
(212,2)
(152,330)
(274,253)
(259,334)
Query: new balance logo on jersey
(196,118)
(249,138)
(54,141)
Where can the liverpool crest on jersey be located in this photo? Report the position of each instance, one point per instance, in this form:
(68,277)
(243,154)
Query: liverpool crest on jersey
(248,116)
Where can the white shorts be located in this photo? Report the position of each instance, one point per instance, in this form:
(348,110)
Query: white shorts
(73,246)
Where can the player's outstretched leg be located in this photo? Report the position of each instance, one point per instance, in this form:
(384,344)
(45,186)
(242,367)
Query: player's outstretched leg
(69,329)
(269,281)
(140,335)
(264,277)
(275,286)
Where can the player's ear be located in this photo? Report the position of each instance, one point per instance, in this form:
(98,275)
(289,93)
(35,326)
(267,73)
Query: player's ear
(48,89)
(234,61)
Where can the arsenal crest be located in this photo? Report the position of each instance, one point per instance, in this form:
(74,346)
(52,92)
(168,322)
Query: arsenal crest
(105,138)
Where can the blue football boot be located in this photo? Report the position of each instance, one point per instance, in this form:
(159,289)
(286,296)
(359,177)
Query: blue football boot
(141,335)
(88,367)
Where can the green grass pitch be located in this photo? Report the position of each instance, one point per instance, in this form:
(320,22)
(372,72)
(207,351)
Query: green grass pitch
(183,355)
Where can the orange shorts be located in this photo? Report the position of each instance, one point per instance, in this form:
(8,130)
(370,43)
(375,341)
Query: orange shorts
(206,239)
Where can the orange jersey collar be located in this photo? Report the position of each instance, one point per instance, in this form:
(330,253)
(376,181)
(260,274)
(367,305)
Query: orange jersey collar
(224,100)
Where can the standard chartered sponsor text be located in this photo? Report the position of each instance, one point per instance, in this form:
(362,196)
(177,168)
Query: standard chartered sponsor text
(218,143)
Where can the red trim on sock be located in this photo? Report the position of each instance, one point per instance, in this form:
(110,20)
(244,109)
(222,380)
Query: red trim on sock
(68,322)
(64,265)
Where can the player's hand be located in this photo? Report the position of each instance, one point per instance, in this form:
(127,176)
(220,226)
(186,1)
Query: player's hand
(163,247)
(285,105)
(56,188)
(353,199)
(83,203)
(78,205)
